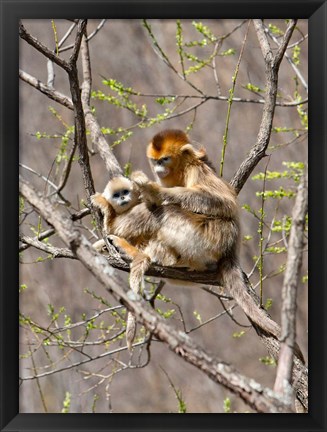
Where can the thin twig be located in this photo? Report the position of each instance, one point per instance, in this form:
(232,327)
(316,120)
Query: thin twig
(230,102)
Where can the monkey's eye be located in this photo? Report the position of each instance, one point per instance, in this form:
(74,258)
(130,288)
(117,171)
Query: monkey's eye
(125,191)
(116,195)
(165,159)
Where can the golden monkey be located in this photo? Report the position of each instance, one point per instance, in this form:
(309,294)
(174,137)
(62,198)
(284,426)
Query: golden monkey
(203,224)
(125,216)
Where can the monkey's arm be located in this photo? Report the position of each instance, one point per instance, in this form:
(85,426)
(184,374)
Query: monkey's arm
(137,224)
(100,202)
(196,199)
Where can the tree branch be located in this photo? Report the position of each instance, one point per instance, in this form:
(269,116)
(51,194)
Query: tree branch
(252,393)
(272,63)
(293,265)
(51,231)
(80,128)
(263,41)
(81,26)
(48,91)
(56,252)
(97,136)
(283,46)
(42,48)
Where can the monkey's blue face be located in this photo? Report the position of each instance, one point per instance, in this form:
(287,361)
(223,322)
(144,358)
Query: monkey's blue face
(162,166)
(121,197)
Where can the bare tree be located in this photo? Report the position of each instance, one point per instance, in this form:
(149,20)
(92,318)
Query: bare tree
(77,246)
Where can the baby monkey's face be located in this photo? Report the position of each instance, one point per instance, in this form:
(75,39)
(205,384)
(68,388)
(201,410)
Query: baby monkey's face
(121,194)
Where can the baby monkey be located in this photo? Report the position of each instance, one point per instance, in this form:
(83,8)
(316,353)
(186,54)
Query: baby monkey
(119,196)
(134,230)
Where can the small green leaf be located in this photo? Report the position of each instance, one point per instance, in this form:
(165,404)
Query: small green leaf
(296,55)
(227,406)
(197,316)
(268,304)
(254,88)
(228,52)
(66,403)
(23,287)
(269,361)
(237,335)
(275,30)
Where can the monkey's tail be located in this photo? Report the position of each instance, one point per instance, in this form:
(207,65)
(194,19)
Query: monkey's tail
(233,279)
(139,266)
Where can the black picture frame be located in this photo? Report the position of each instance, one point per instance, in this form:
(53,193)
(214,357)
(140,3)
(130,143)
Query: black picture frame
(11,12)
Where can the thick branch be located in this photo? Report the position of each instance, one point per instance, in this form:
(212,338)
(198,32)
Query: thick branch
(293,266)
(259,398)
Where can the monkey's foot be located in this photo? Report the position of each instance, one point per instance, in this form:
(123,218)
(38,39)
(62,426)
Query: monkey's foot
(100,246)
(118,244)
(125,249)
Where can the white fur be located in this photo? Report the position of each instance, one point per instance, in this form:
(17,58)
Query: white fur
(161,171)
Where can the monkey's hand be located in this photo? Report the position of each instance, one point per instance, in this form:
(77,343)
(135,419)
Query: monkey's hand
(139,178)
(94,199)
(98,201)
(150,193)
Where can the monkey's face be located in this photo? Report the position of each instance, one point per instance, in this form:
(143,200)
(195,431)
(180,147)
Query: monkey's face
(166,155)
(163,166)
(121,194)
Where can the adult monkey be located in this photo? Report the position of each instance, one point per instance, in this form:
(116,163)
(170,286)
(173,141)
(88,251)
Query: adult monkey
(212,232)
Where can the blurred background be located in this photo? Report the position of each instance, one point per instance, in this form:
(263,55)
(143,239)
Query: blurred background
(123,50)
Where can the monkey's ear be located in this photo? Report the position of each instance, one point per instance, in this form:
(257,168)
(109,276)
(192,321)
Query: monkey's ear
(189,149)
